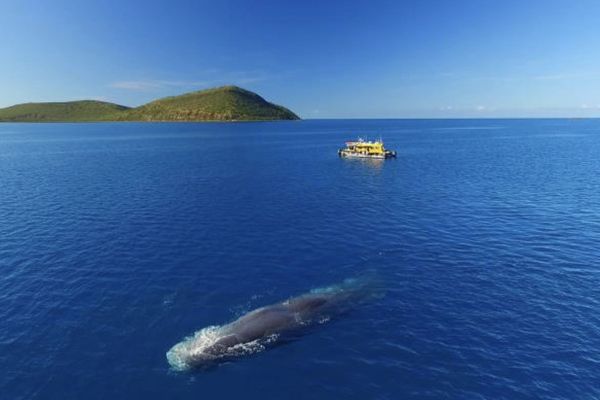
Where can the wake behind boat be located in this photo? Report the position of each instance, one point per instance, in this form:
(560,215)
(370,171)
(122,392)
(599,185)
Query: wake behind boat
(366,149)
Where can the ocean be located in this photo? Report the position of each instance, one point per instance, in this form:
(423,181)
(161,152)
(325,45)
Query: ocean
(118,241)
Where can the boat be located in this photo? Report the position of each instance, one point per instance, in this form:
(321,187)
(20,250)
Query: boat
(366,149)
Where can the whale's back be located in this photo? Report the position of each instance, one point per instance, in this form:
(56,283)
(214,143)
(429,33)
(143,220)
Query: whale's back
(262,322)
(255,330)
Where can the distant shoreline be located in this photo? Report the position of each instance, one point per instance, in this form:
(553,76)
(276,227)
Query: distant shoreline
(308,119)
(221,104)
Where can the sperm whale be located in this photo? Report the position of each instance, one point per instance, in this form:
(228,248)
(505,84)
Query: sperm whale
(260,328)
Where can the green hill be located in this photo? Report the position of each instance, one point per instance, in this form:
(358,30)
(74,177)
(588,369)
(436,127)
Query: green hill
(71,111)
(226,103)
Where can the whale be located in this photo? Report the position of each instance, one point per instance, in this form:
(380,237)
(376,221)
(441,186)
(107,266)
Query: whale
(264,327)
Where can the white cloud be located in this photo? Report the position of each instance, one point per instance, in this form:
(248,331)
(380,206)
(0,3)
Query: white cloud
(566,76)
(213,77)
(556,77)
(154,85)
(149,85)
(589,106)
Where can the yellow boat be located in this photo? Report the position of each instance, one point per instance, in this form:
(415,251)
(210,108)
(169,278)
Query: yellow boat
(366,149)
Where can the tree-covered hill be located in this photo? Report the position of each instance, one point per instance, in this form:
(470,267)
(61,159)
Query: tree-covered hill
(71,111)
(226,103)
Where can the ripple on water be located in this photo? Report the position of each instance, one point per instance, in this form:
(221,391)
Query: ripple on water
(119,239)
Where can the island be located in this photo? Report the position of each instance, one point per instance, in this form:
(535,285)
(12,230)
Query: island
(225,103)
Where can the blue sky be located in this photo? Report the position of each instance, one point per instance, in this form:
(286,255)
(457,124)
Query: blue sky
(322,59)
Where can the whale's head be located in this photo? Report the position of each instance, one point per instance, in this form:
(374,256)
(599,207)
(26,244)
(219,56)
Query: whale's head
(196,351)
(182,358)
(211,346)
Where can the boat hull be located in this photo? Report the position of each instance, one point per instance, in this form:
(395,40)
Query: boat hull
(349,154)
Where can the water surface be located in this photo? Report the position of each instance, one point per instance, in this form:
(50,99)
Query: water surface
(118,240)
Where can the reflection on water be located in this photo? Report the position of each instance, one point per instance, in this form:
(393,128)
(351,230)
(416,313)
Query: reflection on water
(373,163)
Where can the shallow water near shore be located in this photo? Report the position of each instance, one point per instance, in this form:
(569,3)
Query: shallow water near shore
(117,241)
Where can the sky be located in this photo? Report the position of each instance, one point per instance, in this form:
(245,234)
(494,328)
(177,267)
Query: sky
(321,59)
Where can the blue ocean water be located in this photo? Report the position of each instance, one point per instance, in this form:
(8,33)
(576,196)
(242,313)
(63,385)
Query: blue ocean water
(119,240)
